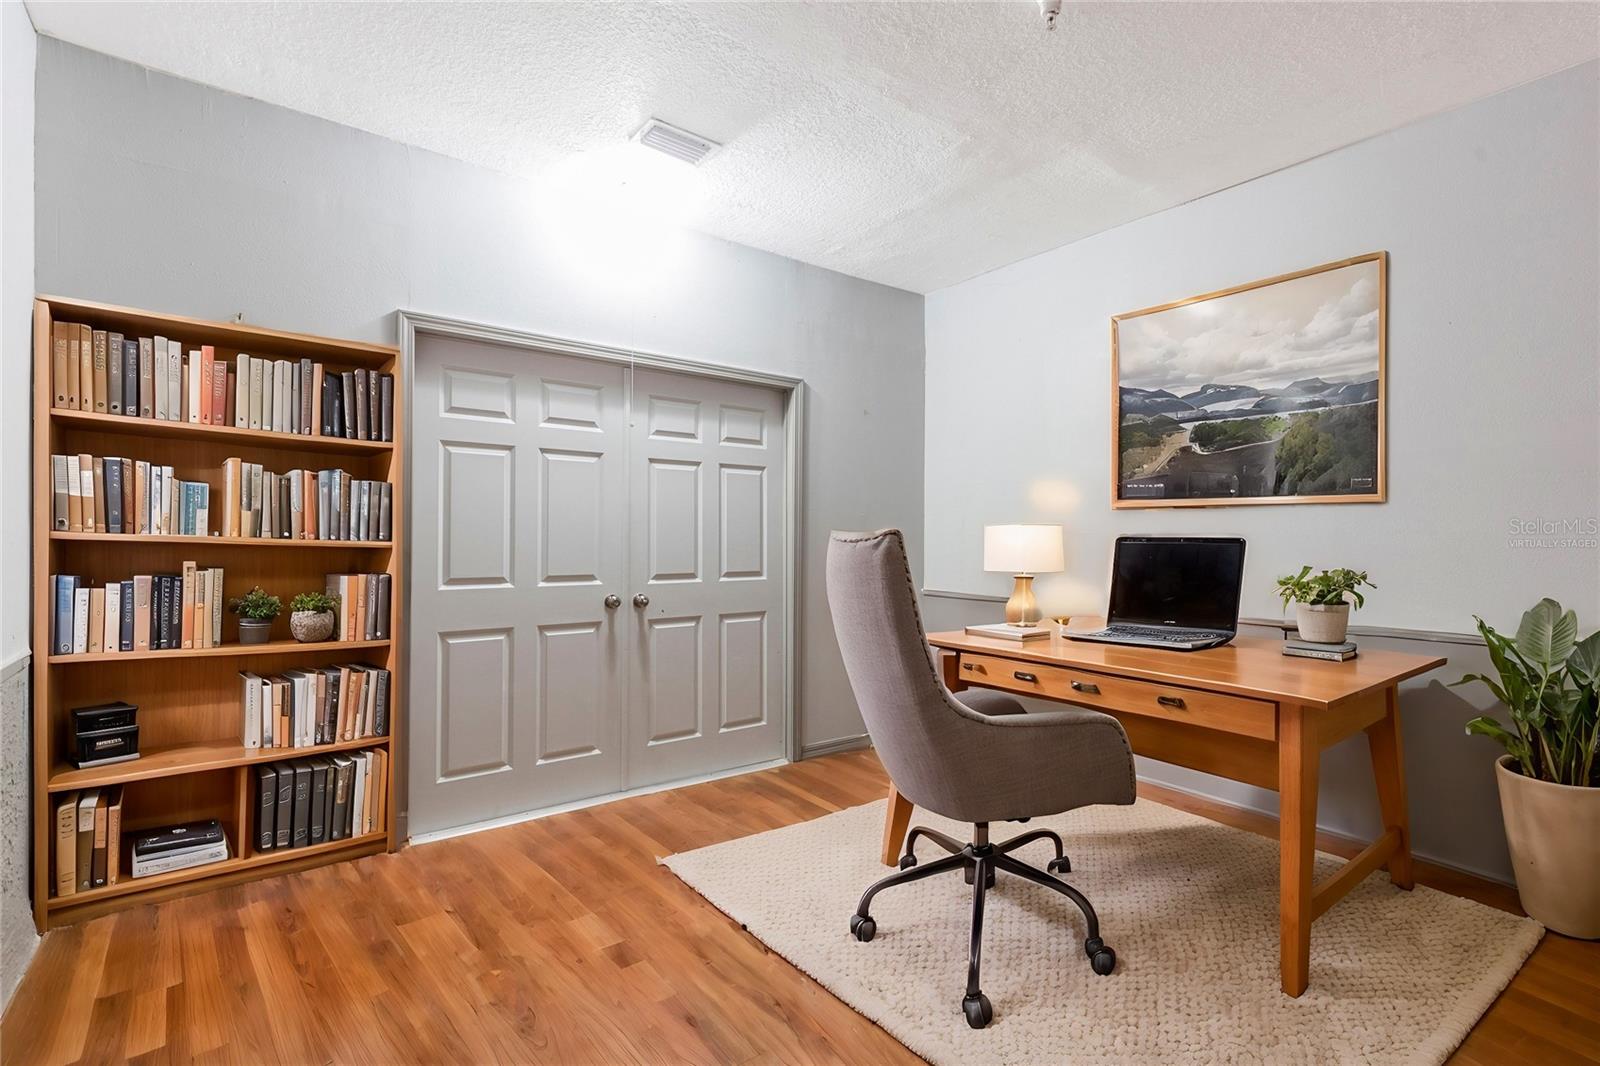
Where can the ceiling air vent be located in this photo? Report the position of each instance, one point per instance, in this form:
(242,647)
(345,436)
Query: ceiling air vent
(678,143)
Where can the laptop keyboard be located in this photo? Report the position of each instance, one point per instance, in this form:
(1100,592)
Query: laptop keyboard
(1166,636)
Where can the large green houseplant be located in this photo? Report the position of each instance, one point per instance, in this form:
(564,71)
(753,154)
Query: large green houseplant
(1549,778)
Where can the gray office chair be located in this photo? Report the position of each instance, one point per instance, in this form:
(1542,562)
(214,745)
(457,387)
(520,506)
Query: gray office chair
(943,752)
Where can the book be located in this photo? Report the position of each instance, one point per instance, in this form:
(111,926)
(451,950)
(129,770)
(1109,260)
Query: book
(348,389)
(146,403)
(111,639)
(66,836)
(130,377)
(358,795)
(84,861)
(113,483)
(97,476)
(257,392)
(60,494)
(1006,631)
(59,376)
(203,398)
(301,835)
(98,343)
(95,639)
(143,592)
(191,380)
(362,401)
(1312,653)
(80,620)
(101,824)
(83,343)
(266,806)
(304,394)
(319,800)
(1315,645)
(175,381)
(283,816)
(114,836)
(386,407)
(319,395)
(115,351)
(343,773)
(241,402)
(126,601)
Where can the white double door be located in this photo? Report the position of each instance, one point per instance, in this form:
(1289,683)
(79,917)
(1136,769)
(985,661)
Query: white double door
(597,579)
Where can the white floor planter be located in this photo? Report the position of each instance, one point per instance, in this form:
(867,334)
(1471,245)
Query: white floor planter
(1323,623)
(1554,834)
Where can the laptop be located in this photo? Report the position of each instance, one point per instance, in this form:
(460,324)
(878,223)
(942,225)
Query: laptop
(1180,593)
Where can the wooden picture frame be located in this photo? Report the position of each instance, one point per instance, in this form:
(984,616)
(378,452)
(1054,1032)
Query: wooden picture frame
(1170,470)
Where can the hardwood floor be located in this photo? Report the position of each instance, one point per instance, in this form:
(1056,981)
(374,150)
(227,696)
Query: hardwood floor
(560,941)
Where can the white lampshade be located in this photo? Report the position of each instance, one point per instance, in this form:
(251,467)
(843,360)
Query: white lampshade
(1023,549)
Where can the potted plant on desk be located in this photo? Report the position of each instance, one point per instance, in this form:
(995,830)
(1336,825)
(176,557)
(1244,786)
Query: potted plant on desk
(1322,601)
(256,610)
(311,616)
(1549,777)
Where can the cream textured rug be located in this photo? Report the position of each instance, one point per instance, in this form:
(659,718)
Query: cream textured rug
(1191,908)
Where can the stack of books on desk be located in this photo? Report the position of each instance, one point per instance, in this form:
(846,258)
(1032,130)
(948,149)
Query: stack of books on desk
(1312,649)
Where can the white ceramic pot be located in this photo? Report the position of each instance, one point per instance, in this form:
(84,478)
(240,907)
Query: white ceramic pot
(1322,623)
(1554,834)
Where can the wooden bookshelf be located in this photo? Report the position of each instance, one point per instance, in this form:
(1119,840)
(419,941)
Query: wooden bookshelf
(192,765)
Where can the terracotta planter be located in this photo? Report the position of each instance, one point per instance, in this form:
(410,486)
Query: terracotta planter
(309,627)
(1554,834)
(1322,623)
(255,630)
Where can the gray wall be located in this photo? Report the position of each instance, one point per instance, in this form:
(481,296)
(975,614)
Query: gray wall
(17,49)
(1490,217)
(165,194)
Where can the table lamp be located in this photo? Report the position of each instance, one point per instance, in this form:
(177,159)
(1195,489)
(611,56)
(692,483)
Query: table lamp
(1022,551)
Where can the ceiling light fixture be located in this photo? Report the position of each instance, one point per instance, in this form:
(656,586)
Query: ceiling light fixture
(1049,9)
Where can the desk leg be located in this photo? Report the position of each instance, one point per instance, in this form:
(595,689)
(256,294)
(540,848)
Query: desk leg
(1388,768)
(895,823)
(1298,759)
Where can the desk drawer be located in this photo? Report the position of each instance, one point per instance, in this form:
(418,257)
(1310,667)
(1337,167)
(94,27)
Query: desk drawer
(1211,710)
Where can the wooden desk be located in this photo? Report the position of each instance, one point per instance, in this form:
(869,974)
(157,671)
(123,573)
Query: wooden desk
(1244,711)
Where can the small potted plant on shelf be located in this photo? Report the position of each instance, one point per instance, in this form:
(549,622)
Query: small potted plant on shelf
(1322,601)
(1549,777)
(311,616)
(256,610)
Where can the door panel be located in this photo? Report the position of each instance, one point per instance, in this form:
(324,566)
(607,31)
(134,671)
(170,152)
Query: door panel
(520,483)
(708,477)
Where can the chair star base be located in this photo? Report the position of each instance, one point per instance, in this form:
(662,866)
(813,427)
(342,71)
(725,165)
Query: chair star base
(979,860)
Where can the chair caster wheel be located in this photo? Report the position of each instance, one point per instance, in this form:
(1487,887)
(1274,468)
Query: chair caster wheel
(977,1010)
(1101,958)
(907,861)
(1062,865)
(863,929)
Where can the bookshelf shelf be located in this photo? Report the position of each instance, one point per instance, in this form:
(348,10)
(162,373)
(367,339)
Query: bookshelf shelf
(272,647)
(141,539)
(155,427)
(189,698)
(190,759)
(217,871)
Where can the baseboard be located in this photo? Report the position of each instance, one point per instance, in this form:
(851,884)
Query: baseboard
(833,747)
(591,801)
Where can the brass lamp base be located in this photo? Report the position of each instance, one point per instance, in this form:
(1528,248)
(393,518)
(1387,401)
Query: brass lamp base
(1021,609)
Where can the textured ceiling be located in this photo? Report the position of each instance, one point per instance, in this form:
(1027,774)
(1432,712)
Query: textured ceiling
(912,144)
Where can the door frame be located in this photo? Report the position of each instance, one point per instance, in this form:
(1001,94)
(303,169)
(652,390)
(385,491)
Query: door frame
(411,324)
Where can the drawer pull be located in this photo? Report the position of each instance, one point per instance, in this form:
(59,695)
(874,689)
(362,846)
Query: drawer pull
(1020,676)
(1170,701)
(1083,686)
(969,666)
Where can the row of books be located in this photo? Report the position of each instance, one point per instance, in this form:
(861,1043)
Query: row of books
(314,800)
(105,372)
(147,612)
(305,708)
(110,494)
(363,608)
(304,504)
(88,839)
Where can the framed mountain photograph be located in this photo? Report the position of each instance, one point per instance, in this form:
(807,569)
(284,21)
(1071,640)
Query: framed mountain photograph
(1271,392)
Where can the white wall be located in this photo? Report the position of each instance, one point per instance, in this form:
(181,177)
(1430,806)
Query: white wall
(1489,214)
(17,51)
(161,193)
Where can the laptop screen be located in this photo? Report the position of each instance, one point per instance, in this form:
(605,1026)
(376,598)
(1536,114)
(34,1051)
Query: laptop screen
(1191,582)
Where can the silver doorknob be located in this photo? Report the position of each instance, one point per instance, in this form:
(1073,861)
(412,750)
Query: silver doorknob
(641,600)
(613,601)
